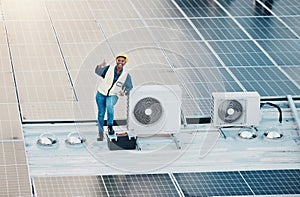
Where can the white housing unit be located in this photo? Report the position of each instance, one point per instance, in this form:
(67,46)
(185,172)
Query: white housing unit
(235,109)
(154,109)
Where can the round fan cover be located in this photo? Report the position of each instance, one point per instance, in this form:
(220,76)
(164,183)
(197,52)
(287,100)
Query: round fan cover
(230,110)
(148,111)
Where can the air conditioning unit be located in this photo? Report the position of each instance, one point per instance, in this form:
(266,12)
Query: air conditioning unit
(235,109)
(154,109)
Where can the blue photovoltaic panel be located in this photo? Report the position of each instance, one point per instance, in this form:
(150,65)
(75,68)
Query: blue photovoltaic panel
(156,9)
(189,54)
(265,28)
(223,81)
(284,52)
(75,28)
(219,29)
(294,73)
(241,8)
(239,183)
(286,8)
(183,28)
(140,185)
(196,8)
(204,184)
(293,22)
(252,8)
(271,182)
(267,81)
(202,81)
(240,53)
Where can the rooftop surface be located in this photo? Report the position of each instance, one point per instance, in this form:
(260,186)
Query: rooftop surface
(203,148)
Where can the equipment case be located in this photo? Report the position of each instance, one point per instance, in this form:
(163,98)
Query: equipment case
(121,141)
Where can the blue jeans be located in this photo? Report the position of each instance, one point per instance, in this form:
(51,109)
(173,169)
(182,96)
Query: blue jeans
(105,103)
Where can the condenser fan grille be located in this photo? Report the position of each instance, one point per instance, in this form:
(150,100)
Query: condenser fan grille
(230,110)
(148,111)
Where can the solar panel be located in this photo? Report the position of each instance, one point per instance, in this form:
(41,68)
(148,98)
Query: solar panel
(288,8)
(10,125)
(1,14)
(140,185)
(233,183)
(178,26)
(4,57)
(110,10)
(265,28)
(197,44)
(219,29)
(156,9)
(25,10)
(228,183)
(293,22)
(69,10)
(212,184)
(29,32)
(196,8)
(2,33)
(284,52)
(78,31)
(293,72)
(208,80)
(113,28)
(69,186)
(59,110)
(272,182)
(14,176)
(7,88)
(266,80)
(189,54)
(173,28)
(240,53)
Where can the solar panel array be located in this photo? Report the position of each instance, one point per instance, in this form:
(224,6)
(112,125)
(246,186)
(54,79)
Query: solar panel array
(231,183)
(205,46)
(14,174)
(140,185)
(240,183)
(49,50)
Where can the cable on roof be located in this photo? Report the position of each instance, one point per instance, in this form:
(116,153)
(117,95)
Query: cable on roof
(276,106)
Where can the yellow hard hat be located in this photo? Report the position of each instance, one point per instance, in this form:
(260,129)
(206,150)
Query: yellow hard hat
(122,55)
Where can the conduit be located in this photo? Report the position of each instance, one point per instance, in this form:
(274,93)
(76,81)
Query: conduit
(294,112)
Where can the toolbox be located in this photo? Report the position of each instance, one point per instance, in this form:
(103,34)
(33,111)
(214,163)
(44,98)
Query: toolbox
(121,141)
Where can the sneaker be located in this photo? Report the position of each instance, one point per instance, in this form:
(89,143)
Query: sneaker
(100,138)
(110,130)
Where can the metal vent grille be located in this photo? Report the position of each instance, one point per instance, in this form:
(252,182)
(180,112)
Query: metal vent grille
(230,110)
(148,111)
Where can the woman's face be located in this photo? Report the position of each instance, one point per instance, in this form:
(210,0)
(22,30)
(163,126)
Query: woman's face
(121,61)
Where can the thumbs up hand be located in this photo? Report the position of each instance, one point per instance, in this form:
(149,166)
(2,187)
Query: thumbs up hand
(102,64)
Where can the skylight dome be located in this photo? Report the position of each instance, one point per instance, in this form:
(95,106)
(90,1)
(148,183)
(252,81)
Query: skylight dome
(47,139)
(273,135)
(74,138)
(247,133)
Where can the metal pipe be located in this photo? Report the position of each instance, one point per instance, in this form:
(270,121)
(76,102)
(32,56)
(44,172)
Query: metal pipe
(294,112)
